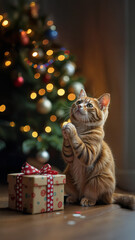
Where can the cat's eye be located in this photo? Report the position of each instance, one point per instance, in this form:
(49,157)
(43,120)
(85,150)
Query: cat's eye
(89,105)
(79,102)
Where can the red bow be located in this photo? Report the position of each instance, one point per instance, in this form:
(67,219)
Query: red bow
(27,169)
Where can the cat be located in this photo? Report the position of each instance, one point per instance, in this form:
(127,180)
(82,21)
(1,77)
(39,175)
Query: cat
(90,170)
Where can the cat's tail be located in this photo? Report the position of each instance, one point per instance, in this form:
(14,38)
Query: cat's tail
(126,201)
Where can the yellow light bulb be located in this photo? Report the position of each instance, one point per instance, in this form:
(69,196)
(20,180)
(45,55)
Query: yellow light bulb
(29,31)
(61,92)
(26,128)
(49,52)
(37,75)
(12,124)
(49,87)
(53,118)
(50,70)
(35,54)
(41,92)
(34,134)
(71,97)
(33,95)
(7,63)
(48,129)
(2,108)
(5,23)
(61,57)
(1,17)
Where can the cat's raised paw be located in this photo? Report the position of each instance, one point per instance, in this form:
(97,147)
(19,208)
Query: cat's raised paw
(68,130)
(70,199)
(64,134)
(85,202)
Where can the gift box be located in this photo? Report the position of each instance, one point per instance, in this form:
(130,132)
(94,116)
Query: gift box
(36,191)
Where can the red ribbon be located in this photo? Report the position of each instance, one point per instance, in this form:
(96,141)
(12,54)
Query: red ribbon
(27,169)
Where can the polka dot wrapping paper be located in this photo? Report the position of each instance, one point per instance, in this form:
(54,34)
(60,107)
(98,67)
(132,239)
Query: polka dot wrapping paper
(36,193)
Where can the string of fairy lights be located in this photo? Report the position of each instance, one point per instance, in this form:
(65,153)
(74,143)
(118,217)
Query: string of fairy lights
(39,70)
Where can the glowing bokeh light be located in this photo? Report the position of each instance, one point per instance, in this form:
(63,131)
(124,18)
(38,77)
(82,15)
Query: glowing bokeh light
(50,23)
(61,92)
(1,17)
(49,52)
(37,75)
(33,95)
(7,63)
(35,54)
(49,87)
(53,118)
(29,31)
(34,134)
(50,70)
(61,57)
(2,108)
(26,128)
(48,129)
(41,92)
(12,124)
(45,41)
(5,23)
(71,97)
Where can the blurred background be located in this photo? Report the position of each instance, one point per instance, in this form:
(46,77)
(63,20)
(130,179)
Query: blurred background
(101,36)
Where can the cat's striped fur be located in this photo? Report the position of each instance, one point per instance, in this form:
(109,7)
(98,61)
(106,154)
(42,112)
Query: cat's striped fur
(90,167)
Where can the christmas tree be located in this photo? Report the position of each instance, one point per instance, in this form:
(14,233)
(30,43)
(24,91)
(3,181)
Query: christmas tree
(39,80)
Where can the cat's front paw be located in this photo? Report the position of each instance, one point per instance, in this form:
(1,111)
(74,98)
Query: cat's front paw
(85,202)
(64,134)
(69,130)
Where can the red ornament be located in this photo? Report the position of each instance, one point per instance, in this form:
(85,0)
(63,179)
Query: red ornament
(19,81)
(47,78)
(24,38)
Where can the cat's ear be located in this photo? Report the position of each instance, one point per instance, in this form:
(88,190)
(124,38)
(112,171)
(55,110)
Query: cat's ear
(82,93)
(104,101)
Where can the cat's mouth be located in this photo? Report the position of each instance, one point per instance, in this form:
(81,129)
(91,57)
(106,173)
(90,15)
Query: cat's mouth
(80,111)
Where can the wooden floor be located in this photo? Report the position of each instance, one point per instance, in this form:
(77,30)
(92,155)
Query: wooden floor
(99,222)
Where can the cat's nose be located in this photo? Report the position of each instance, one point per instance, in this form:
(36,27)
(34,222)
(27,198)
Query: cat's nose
(79,106)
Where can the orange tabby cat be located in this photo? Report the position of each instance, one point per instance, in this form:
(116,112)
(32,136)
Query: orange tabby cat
(91,170)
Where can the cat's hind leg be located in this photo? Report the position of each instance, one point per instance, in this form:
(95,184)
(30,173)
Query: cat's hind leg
(71,190)
(90,194)
(98,188)
(90,197)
